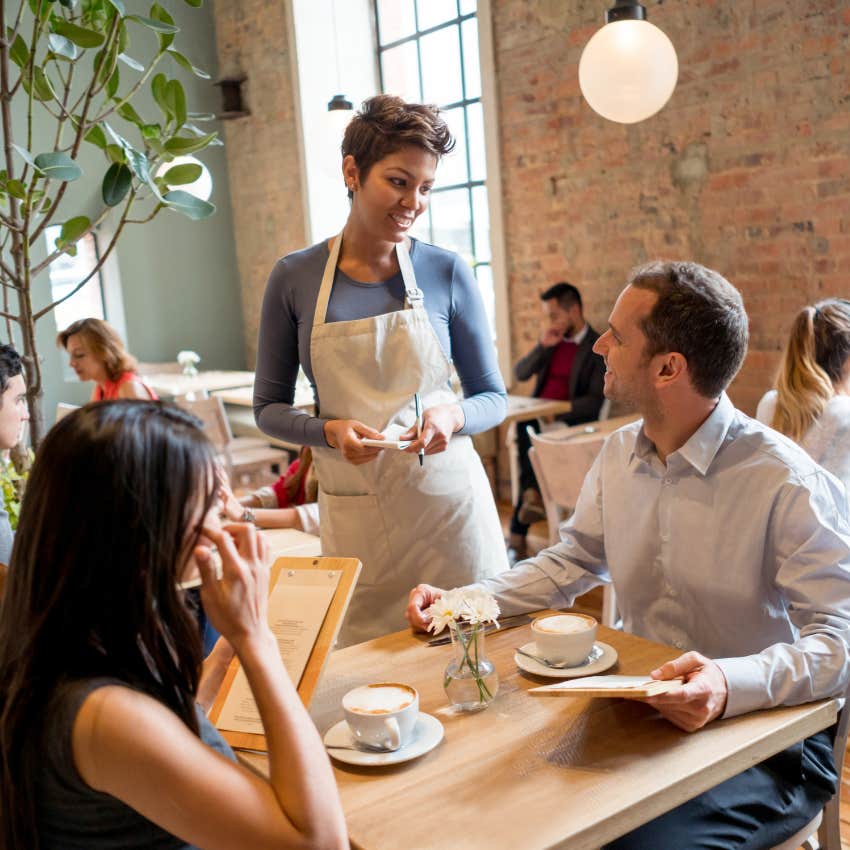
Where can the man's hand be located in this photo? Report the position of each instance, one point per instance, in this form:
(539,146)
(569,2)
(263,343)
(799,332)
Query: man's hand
(551,337)
(421,598)
(701,698)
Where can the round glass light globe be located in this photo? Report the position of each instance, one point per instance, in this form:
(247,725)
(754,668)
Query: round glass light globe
(200,188)
(628,71)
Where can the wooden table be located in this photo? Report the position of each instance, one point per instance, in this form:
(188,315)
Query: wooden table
(292,542)
(167,384)
(535,772)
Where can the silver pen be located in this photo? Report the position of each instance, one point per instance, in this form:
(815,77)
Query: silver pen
(418,405)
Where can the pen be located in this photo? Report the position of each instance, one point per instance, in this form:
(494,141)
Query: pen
(419,425)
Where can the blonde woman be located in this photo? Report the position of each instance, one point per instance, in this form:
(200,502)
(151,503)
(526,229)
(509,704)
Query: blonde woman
(811,402)
(97,354)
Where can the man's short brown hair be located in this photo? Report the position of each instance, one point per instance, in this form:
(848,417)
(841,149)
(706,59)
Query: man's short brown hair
(386,123)
(699,314)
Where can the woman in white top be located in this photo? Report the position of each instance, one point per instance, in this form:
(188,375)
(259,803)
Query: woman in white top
(811,402)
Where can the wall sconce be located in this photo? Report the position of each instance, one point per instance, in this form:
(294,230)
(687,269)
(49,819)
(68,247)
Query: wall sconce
(231,95)
(628,69)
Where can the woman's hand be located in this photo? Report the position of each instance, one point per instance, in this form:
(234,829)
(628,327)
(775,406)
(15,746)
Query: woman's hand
(237,602)
(438,424)
(346,434)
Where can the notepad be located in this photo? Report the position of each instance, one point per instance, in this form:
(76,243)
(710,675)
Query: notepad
(386,444)
(627,687)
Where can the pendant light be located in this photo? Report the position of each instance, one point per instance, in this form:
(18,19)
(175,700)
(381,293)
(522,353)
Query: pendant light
(339,112)
(628,69)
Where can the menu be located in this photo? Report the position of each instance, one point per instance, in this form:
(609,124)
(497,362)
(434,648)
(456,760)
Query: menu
(627,687)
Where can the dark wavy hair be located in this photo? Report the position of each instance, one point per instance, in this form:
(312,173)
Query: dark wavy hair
(10,365)
(104,534)
(386,123)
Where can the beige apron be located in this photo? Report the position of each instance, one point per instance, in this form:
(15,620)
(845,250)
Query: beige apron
(407,524)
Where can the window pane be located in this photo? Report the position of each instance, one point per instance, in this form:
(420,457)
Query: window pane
(441,82)
(450,217)
(452,168)
(481,221)
(475,128)
(471,63)
(66,272)
(396,20)
(401,71)
(433,12)
(484,275)
(468,6)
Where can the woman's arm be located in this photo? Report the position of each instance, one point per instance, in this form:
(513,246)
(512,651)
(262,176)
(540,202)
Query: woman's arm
(133,389)
(133,747)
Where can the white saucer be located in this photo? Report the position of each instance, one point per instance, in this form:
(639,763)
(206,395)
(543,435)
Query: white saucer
(529,665)
(427,734)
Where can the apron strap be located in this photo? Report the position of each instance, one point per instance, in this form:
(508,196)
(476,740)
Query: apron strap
(413,295)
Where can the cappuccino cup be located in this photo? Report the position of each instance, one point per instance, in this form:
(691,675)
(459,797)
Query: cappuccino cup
(382,716)
(564,638)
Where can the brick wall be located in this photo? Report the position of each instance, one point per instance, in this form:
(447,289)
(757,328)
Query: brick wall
(747,169)
(262,149)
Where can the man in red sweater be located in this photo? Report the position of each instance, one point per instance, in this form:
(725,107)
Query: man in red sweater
(566,369)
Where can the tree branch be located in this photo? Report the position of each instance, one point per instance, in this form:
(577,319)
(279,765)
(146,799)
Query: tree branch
(98,264)
(135,88)
(50,258)
(8,273)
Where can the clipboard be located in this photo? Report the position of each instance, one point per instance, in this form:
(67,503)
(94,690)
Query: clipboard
(347,571)
(624,687)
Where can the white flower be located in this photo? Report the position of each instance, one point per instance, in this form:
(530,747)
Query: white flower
(188,358)
(481,607)
(447,609)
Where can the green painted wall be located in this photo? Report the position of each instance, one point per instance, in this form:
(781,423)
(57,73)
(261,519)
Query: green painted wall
(179,279)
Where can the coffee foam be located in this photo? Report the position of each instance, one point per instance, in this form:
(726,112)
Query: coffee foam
(564,624)
(379,699)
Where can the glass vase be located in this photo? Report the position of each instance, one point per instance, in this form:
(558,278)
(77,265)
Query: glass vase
(470,680)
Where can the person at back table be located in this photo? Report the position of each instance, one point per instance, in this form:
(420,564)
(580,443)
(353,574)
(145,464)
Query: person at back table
(566,369)
(97,354)
(13,414)
(811,402)
(721,537)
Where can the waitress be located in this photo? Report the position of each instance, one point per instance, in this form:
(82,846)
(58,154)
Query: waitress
(374,316)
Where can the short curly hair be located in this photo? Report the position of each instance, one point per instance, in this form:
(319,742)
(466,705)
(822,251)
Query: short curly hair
(10,365)
(386,123)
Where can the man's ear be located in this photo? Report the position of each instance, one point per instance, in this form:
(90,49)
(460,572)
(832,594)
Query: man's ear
(672,368)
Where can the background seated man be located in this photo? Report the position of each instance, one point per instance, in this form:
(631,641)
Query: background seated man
(722,538)
(567,369)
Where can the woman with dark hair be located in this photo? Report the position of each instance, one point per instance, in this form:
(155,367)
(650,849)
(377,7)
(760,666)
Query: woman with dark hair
(811,402)
(102,740)
(98,354)
(376,317)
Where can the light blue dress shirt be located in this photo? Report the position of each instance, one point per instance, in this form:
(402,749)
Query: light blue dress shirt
(738,547)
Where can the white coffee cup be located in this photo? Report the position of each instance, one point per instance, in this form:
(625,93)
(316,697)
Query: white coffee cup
(564,638)
(382,715)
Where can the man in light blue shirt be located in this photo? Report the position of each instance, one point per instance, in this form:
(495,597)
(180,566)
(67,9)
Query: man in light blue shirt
(721,537)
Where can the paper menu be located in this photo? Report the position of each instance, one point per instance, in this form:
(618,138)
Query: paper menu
(628,687)
(298,604)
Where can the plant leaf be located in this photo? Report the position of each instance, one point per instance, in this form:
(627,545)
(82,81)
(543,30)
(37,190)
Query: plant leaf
(96,136)
(116,153)
(150,23)
(202,116)
(41,89)
(118,5)
(72,230)
(16,189)
(58,166)
(180,175)
(196,3)
(151,131)
(26,156)
(184,63)
(161,15)
(128,113)
(81,36)
(159,85)
(68,4)
(131,62)
(62,46)
(176,98)
(116,184)
(179,145)
(189,205)
(113,83)
(19,52)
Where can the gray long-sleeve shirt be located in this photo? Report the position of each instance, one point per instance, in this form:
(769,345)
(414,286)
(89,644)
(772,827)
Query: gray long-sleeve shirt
(737,547)
(453,304)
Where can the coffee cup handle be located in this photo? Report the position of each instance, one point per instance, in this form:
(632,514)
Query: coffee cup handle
(393,741)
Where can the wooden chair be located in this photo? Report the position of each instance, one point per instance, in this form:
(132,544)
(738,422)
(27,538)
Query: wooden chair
(823,832)
(246,459)
(561,465)
(63,409)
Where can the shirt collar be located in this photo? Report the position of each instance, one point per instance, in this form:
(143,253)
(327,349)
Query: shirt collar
(702,446)
(577,338)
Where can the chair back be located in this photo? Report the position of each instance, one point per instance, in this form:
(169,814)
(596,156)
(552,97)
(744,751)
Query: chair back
(211,413)
(170,367)
(63,409)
